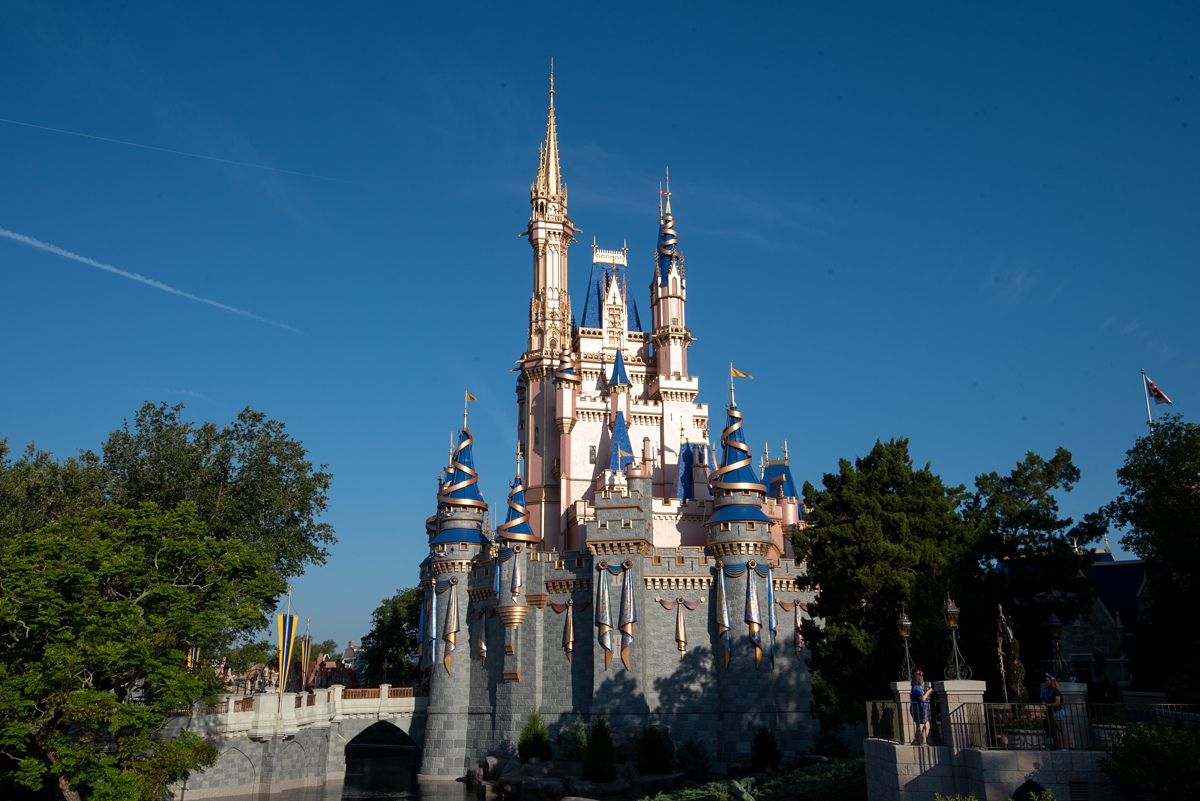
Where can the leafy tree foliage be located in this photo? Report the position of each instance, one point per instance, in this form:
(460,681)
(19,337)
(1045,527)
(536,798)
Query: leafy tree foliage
(1155,762)
(112,567)
(394,638)
(1159,505)
(600,753)
(885,537)
(326,647)
(534,740)
(882,537)
(96,614)
(248,480)
(1029,558)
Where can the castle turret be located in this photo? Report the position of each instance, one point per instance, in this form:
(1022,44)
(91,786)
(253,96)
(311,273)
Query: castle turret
(456,549)
(668,298)
(550,233)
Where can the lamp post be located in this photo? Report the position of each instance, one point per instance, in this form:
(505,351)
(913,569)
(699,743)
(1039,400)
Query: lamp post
(904,626)
(1055,625)
(956,668)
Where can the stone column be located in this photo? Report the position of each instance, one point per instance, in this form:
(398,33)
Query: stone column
(1078,726)
(961,703)
(906,726)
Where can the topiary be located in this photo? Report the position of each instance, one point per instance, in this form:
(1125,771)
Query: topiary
(572,741)
(534,740)
(692,759)
(764,752)
(600,755)
(654,752)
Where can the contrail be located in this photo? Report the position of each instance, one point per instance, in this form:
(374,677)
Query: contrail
(141,279)
(182,153)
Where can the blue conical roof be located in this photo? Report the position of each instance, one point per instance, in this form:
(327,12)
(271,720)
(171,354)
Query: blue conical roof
(619,377)
(593,302)
(622,448)
(735,471)
(463,488)
(516,524)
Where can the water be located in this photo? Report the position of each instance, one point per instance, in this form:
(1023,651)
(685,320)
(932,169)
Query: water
(374,771)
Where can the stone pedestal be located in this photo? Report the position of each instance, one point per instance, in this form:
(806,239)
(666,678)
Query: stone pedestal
(1078,727)
(907,726)
(961,703)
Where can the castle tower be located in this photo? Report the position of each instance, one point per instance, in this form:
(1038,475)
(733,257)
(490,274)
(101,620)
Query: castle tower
(458,544)
(550,233)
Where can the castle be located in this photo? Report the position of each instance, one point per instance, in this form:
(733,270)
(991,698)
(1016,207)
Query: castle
(639,573)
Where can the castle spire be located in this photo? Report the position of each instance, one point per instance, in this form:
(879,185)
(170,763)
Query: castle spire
(549,176)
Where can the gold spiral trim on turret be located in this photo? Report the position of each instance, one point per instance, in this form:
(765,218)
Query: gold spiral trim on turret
(669,237)
(505,529)
(472,476)
(566,362)
(729,442)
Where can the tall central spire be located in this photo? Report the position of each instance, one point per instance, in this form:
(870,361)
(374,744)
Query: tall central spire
(549,177)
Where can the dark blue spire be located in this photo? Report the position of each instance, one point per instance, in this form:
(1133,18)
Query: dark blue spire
(619,377)
(622,448)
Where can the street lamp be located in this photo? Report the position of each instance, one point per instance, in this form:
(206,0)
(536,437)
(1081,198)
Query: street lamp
(904,626)
(1055,625)
(956,668)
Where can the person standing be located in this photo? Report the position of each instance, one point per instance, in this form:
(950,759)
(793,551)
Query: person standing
(918,707)
(1056,712)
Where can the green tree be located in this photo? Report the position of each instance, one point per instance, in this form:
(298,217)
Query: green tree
(394,635)
(1159,506)
(1155,762)
(245,654)
(330,647)
(1027,557)
(883,538)
(96,615)
(248,480)
(111,567)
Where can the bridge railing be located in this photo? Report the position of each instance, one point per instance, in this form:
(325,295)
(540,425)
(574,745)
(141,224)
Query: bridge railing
(266,714)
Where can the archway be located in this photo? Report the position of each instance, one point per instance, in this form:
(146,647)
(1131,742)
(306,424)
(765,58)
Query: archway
(382,759)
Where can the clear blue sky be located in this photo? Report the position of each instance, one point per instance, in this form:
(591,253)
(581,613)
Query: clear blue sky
(969,226)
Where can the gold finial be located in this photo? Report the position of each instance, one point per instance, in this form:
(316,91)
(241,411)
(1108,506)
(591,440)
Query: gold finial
(668,192)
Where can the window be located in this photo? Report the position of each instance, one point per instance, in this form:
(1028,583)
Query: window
(591,454)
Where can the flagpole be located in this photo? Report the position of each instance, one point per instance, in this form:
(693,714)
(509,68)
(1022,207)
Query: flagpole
(282,652)
(1146,392)
(304,650)
(466,395)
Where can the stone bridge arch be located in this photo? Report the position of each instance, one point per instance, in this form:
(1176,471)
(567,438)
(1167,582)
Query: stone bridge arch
(381,757)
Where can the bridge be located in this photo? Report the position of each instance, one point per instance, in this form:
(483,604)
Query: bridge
(271,743)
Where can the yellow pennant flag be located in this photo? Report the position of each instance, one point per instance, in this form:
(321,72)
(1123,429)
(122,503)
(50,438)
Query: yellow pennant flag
(734,372)
(471,397)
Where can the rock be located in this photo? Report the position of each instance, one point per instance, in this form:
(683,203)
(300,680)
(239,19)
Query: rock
(589,789)
(512,770)
(474,776)
(493,767)
(510,789)
(488,791)
(655,783)
(541,789)
(565,770)
(538,769)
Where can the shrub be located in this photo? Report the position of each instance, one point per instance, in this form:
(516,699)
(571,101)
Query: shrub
(654,752)
(764,752)
(534,740)
(572,741)
(692,759)
(1160,761)
(600,755)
